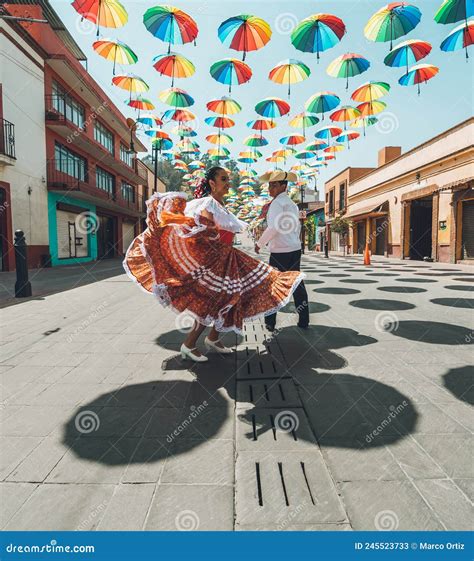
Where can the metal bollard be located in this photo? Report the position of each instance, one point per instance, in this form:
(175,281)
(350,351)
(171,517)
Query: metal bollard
(22,285)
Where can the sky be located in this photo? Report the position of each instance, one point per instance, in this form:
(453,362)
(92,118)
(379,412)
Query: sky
(409,119)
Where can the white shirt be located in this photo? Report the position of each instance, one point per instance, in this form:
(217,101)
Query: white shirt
(282,234)
(223,218)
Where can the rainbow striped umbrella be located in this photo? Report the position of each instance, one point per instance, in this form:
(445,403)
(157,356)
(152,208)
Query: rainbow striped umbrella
(183,130)
(218,153)
(407,53)
(171,25)
(418,74)
(104,13)
(187,146)
(131,83)
(150,120)
(162,143)
(219,122)
(370,91)
(318,144)
(251,154)
(292,139)
(180,115)
(255,140)
(452,11)
(224,106)
(348,136)
(392,21)
(348,65)
(460,38)
(344,114)
(231,72)
(272,107)
(303,121)
(180,165)
(176,97)
(322,102)
(261,124)
(289,71)
(115,50)
(305,155)
(326,133)
(196,164)
(318,33)
(370,108)
(173,65)
(140,103)
(220,138)
(244,33)
(364,122)
(157,133)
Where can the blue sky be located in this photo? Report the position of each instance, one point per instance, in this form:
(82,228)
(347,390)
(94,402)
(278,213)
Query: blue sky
(409,119)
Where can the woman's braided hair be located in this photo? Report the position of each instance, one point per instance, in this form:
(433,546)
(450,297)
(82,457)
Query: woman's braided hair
(204,188)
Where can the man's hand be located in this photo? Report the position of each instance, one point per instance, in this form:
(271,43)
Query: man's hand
(256,249)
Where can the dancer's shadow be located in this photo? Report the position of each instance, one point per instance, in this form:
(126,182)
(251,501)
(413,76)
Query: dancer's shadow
(460,382)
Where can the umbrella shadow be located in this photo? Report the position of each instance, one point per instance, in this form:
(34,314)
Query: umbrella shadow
(460,382)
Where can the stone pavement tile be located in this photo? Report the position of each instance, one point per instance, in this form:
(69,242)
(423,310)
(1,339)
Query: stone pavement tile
(267,393)
(47,358)
(256,362)
(26,374)
(163,421)
(7,411)
(449,504)
(12,496)
(431,420)
(200,462)
(89,502)
(462,413)
(192,507)
(273,429)
(218,392)
(112,422)
(151,394)
(453,452)
(127,509)
(35,421)
(94,460)
(14,450)
(27,394)
(467,486)
(281,487)
(64,394)
(206,422)
(387,505)
(293,527)
(147,462)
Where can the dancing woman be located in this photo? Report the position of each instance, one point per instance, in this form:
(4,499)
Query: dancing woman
(186,258)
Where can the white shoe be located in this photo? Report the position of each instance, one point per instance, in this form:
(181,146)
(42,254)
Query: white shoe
(188,353)
(216,346)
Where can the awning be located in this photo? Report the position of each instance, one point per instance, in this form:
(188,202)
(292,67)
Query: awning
(369,211)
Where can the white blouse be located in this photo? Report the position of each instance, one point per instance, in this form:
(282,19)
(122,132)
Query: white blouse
(223,218)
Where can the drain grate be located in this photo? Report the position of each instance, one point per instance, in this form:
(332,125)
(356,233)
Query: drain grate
(271,392)
(260,362)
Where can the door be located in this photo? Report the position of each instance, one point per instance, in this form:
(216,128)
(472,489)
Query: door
(361,235)
(467,230)
(128,235)
(106,237)
(381,235)
(421,225)
(3,230)
(72,231)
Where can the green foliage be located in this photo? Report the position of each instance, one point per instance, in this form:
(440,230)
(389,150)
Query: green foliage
(340,225)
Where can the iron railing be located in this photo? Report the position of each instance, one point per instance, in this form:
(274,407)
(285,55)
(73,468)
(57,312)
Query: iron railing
(7,139)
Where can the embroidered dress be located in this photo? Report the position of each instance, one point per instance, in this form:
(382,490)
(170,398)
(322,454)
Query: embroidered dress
(189,263)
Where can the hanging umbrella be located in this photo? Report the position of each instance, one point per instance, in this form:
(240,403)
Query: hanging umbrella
(251,154)
(322,102)
(180,165)
(131,83)
(115,50)
(363,122)
(348,65)
(344,114)
(326,133)
(318,33)
(104,13)
(180,115)
(162,143)
(244,33)
(219,122)
(303,121)
(218,153)
(460,38)
(220,138)
(370,108)
(370,91)
(140,103)
(231,72)
(318,144)
(173,65)
(186,145)
(157,133)
(261,124)
(305,155)
(176,97)
(150,120)
(224,106)
(183,130)
(407,53)
(417,74)
(171,25)
(289,71)
(392,21)
(272,107)
(255,140)
(348,136)
(452,11)
(292,139)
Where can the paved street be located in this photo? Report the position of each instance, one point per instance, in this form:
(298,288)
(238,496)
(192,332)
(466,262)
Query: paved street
(364,421)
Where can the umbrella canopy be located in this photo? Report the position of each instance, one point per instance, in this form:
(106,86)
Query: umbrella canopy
(251,154)
(131,83)
(407,53)
(218,152)
(303,121)
(141,103)
(460,38)
(348,65)
(322,102)
(452,11)
(162,143)
(176,97)
(224,106)
(196,164)
(116,51)
(318,144)
(150,120)
(292,139)
(305,155)
(104,13)
(364,122)
(370,108)
(220,138)
(183,130)
(180,115)
(255,140)
(348,136)
(272,107)
(370,91)
(334,148)
(244,33)
(418,74)
(326,133)
(289,71)
(392,21)
(171,25)
(219,122)
(173,65)
(344,114)
(317,33)
(261,124)
(231,72)
(157,133)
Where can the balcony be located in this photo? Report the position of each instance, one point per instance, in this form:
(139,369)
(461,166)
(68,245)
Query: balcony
(7,143)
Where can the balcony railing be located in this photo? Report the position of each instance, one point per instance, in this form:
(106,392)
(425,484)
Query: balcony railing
(7,139)
(62,108)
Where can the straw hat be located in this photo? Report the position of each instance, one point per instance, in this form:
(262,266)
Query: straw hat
(278,175)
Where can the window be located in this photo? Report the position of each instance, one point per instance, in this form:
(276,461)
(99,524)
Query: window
(125,155)
(331,201)
(105,180)
(70,163)
(63,103)
(128,192)
(104,136)
(342,196)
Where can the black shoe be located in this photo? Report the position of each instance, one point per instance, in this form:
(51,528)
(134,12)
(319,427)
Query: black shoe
(270,328)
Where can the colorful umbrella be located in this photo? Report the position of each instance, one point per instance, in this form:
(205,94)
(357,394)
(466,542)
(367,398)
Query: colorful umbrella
(150,120)
(140,103)
(224,106)
(344,114)
(303,121)
(219,122)
(173,65)
(261,124)
(115,50)
(417,74)
(322,102)
(251,154)
(131,83)
(370,91)
(460,38)
(348,65)
(162,143)
(318,33)
(220,138)
(180,115)
(231,72)
(218,152)
(407,53)
(305,155)
(171,25)
(392,21)
(292,139)
(370,108)
(105,13)
(348,136)
(255,140)
(183,130)
(318,144)
(272,107)
(196,164)
(363,122)
(452,11)
(176,97)
(289,71)
(157,133)
(244,33)
(326,133)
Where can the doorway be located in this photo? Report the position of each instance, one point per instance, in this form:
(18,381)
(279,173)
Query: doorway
(361,236)
(381,225)
(421,225)
(106,237)
(467,230)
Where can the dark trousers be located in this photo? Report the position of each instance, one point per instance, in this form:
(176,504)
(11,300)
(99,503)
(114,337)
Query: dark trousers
(291,262)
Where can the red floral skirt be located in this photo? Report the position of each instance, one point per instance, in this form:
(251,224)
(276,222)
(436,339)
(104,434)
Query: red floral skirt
(191,267)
